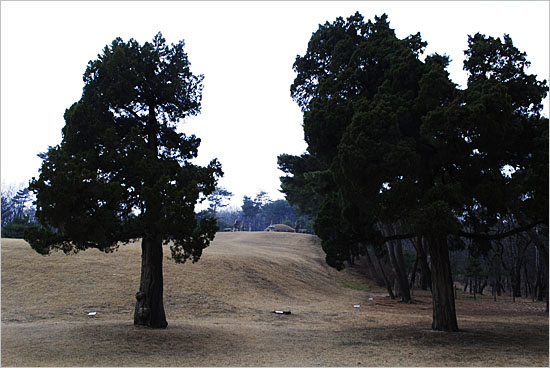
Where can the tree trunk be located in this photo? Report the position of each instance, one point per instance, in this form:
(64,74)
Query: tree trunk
(149,309)
(542,280)
(527,283)
(406,291)
(413,273)
(482,286)
(402,283)
(516,278)
(372,269)
(425,277)
(543,254)
(444,313)
(386,282)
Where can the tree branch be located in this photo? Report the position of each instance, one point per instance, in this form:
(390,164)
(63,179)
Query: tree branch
(133,113)
(469,235)
(499,235)
(398,237)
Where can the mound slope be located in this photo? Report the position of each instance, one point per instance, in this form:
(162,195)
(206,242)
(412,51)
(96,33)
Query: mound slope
(238,272)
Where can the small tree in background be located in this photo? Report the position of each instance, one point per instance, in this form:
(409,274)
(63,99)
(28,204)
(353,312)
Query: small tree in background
(17,212)
(219,199)
(122,172)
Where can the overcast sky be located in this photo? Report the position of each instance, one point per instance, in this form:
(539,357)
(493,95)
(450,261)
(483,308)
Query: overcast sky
(245,51)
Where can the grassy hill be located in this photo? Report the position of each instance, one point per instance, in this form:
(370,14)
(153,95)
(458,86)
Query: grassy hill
(274,269)
(219,312)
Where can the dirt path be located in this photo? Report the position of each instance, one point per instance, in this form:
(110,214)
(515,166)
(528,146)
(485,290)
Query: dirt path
(219,313)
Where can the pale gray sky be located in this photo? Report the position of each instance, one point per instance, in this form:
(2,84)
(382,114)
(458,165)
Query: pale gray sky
(244,49)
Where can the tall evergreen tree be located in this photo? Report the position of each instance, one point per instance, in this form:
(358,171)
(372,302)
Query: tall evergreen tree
(403,148)
(123,172)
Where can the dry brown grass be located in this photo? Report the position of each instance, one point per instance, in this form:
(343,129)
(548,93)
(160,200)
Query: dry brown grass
(219,313)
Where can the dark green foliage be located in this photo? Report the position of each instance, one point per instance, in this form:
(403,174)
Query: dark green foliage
(336,242)
(301,189)
(473,267)
(398,145)
(122,171)
(16,228)
(401,142)
(279,212)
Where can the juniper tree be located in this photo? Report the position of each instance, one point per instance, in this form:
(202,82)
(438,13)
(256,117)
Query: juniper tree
(123,172)
(400,147)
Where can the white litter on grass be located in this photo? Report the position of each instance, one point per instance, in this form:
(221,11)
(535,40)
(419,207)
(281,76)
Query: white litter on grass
(279,312)
(356,306)
(92,313)
(371,298)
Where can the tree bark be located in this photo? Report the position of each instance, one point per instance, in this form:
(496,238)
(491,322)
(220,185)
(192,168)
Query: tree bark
(541,277)
(404,281)
(386,282)
(444,313)
(527,283)
(403,291)
(425,277)
(516,278)
(372,269)
(149,310)
(482,287)
(413,273)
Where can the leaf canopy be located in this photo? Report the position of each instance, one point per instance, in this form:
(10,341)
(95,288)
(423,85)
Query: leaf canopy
(402,144)
(122,171)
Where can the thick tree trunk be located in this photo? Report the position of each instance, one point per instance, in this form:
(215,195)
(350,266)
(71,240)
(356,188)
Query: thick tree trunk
(149,309)
(444,314)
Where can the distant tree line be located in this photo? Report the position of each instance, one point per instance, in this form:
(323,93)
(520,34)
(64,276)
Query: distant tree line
(513,267)
(18,213)
(399,157)
(255,214)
